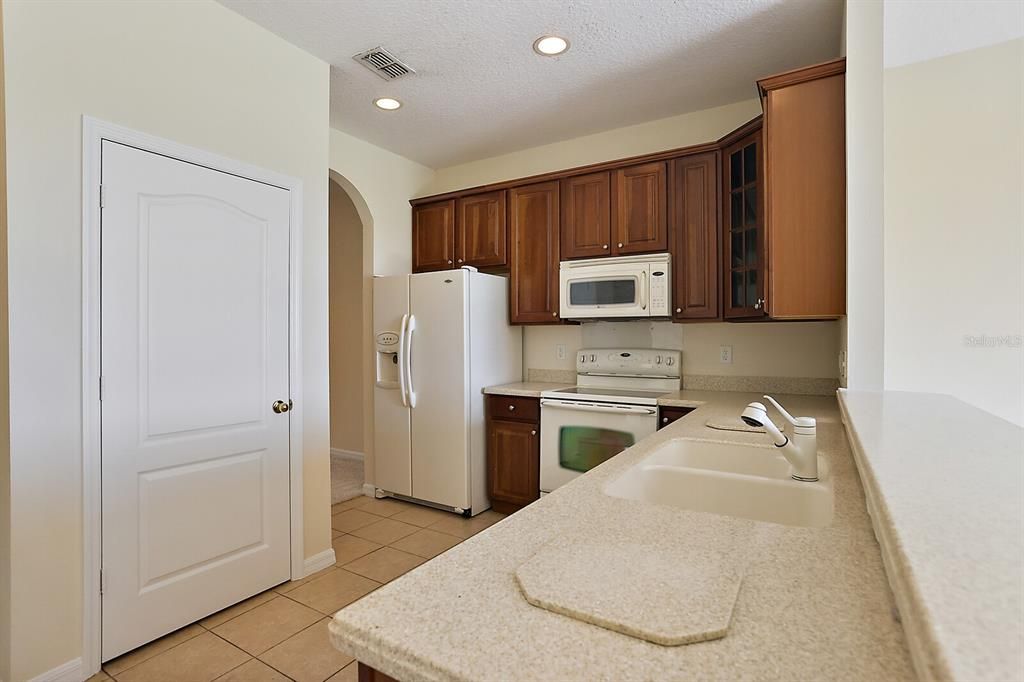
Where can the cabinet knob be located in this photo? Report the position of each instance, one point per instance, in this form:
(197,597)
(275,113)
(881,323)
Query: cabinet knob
(664,420)
(620,245)
(554,314)
(449,261)
(511,408)
(758,304)
(533,433)
(679,310)
(460,260)
(605,247)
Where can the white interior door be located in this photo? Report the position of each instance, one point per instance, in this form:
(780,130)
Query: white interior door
(439,367)
(195,470)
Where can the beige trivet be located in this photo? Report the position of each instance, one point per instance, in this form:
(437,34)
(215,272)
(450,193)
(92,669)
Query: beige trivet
(652,592)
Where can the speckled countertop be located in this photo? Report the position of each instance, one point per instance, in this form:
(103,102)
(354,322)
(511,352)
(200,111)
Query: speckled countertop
(945,483)
(525,389)
(814,603)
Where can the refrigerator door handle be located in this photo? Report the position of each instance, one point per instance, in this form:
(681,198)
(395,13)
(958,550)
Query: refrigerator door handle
(401,361)
(410,328)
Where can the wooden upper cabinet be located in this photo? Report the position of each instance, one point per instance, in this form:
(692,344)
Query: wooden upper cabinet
(743,263)
(480,236)
(640,208)
(534,257)
(694,228)
(433,236)
(586,216)
(805,182)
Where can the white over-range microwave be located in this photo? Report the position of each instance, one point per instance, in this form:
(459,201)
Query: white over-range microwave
(626,286)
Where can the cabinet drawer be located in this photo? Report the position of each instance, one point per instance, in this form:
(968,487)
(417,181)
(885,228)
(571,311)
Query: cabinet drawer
(511,407)
(667,415)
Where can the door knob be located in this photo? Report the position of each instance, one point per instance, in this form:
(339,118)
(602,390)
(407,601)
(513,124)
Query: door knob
(281,406)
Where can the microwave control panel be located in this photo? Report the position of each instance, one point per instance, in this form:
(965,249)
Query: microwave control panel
(660,304)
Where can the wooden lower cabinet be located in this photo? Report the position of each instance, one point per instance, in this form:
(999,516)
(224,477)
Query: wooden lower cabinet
(513,452)
(667,415)
(368,674)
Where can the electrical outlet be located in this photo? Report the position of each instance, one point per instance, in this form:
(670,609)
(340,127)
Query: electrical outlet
(725,355)
(560,351)
(842,367)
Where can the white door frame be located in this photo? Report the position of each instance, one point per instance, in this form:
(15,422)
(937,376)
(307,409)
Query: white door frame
(94,131)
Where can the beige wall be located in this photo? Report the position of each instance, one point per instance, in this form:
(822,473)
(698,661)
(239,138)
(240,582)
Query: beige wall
(5,431)
(954,227)
(696,127)
(775,349)
(346,321)
(193,72)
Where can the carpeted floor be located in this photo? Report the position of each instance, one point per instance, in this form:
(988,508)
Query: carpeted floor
(346,478)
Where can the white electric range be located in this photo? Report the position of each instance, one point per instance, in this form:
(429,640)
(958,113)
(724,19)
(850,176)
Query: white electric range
(613,405)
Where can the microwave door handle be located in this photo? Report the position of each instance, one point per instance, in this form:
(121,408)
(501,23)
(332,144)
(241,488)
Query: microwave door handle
(643,289)
(590,407)
(401,361)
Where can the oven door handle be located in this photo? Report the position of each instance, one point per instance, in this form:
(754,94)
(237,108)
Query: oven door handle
(591,407)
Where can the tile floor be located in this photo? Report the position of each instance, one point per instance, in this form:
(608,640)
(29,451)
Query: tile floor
(281,634)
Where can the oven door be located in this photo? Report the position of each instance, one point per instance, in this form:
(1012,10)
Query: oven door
(595,291)
(577,436)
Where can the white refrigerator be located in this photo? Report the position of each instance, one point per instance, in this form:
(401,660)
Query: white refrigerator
(439,338)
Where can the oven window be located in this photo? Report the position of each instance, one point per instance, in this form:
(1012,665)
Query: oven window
(581,448)
(603,292)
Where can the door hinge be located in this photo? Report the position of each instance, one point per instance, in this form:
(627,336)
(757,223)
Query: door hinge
(101,389)
(103,581)
(103,196)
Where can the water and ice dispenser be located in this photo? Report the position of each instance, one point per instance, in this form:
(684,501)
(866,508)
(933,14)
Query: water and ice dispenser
(387,359)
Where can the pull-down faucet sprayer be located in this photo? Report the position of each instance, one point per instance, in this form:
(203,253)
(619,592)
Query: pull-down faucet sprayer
(801,451)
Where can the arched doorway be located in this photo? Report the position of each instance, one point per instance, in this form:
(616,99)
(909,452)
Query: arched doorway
(350,262)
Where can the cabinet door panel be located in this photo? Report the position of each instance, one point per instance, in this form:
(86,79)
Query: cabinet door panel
(533,286)
(586,216)
(480,234)
(743,244)
(695,231)
(433,236)
(513,461)
(640,209)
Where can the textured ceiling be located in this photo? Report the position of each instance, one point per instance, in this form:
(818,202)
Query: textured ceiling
(480,90)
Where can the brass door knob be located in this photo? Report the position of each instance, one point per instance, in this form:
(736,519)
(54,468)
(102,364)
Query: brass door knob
(281,406)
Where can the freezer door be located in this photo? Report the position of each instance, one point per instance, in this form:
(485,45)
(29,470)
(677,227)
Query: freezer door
(391,425)
(438,378)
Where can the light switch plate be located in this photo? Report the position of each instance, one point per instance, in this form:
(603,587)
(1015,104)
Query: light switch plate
(560,351)
(725,355)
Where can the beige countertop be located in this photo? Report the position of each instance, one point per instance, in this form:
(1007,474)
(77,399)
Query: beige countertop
(945,484)
(525,389)
(814,603)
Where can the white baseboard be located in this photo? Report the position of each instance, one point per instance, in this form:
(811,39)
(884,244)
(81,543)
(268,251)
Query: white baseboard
(347,454)
(370,490)
(319,562)
(68,672)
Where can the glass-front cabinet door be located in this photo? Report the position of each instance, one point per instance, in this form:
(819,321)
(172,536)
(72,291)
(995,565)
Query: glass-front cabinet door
(743,227)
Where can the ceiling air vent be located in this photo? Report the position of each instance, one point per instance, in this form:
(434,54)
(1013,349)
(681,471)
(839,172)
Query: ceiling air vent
(383,63)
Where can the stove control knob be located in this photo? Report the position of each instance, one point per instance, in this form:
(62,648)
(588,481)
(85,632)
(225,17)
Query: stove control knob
(670,361)
(593,358)
(657,360)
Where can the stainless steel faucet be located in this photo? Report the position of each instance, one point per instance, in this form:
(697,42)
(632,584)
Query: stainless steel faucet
(800,450)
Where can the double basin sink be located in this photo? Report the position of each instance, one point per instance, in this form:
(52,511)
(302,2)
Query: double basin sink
(746,481)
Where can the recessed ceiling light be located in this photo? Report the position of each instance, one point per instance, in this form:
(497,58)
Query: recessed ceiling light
(549,46)
(387,103)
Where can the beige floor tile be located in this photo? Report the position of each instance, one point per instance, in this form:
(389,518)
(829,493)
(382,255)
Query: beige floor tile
(268,624)
(384,507)
(421,516)
(199,659)
(465,528)
(385,564)
(308,656)
(350,673)
(289,586)
(333,591)
(143,653)
(348,548)
(253,671)
(426,543)
(385,531)
(221,617)
(351,519)
(354,503)
(100,677)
